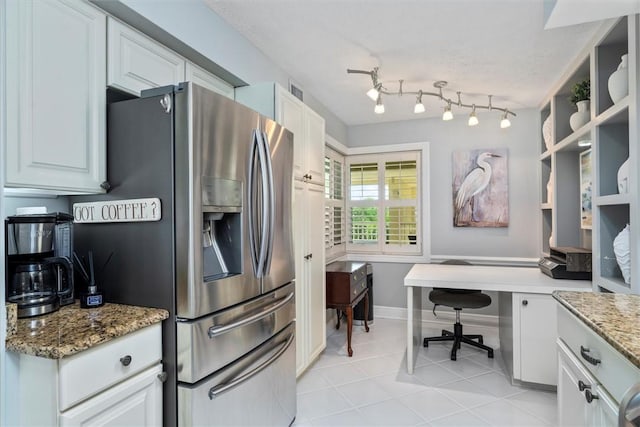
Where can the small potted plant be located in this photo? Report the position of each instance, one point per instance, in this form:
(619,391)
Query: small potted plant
(580,97)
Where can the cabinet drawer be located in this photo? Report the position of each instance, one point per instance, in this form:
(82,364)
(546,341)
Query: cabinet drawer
(344,286)
(612,370)
(98,368)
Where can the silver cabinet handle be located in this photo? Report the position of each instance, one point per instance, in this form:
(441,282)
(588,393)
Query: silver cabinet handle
(627,415)
(217,330)
(253,246)
(219,389)
(270,206)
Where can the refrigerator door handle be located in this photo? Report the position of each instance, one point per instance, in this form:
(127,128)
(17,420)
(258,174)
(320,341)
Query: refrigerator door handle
(219,389)
(253,247)
(218,330)
(271,206)
(263,155)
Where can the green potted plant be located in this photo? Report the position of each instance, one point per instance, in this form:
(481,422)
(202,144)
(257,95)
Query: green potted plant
(580,97)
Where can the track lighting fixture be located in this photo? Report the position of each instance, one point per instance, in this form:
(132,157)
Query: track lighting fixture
(377,90)
(379,109)
(419,107)
(473,119)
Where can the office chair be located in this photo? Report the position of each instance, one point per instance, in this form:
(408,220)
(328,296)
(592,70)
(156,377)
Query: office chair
(459,299)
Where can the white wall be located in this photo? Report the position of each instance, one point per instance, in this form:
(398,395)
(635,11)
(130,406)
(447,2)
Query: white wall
(520,239)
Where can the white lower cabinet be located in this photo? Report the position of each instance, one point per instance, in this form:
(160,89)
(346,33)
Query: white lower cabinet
(118,383)
(582,401)
(592,376)
(134,402)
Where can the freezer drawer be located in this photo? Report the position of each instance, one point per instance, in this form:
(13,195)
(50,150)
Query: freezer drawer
(257,390)
(210,343)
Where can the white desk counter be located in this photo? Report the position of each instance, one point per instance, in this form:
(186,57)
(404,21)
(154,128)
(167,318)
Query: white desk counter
(486,278)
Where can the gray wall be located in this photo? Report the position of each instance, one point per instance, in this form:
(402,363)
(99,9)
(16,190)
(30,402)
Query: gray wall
(520,239)
(199,34)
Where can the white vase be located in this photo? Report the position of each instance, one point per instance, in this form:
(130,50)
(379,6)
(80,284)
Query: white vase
(580,117)
(623,256)
(623,177)
(546,132)
(550,188)
(618,83)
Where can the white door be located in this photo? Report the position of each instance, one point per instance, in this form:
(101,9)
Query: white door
(300,244)
(290,114)
(573,409)
(315,265)
(134,402)
(56,100)
(538,334)
(314,146)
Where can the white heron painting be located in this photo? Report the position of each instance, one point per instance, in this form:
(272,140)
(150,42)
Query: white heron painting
(480,188)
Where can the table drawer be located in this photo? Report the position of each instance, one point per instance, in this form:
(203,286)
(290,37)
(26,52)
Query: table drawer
(87,373)
(342,288)
(609,367)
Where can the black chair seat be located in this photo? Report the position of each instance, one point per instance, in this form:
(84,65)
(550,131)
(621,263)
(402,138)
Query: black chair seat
(459,300)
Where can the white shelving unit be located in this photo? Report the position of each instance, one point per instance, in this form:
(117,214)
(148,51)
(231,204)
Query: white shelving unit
(613,132)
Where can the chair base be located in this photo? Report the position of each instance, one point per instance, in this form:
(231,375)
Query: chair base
(458,337)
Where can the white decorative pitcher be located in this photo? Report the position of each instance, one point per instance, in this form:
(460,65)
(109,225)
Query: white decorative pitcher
(580,117)
(623,255)
(623,177)
(618,83)
(546,132)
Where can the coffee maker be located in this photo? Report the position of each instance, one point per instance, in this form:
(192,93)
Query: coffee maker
(39,273)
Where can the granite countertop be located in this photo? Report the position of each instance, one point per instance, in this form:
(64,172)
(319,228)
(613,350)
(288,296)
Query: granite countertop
(72,329)
(615,317)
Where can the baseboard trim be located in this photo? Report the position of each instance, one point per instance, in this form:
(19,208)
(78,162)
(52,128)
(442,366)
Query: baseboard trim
(443,317)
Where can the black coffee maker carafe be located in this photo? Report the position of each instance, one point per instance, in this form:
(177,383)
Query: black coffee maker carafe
(39,273)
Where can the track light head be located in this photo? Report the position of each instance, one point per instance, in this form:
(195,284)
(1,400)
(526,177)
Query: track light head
(447,115)
(374,92)
(505,122)
(473,119)
(419,107)
(379,108)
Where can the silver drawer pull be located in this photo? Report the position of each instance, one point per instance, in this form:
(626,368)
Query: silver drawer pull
(126,360)
(217,330)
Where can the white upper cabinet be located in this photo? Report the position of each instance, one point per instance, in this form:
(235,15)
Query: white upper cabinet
(203,78)
(55,95)
(136,62)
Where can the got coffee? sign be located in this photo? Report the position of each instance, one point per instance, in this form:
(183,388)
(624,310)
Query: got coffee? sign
(131,210)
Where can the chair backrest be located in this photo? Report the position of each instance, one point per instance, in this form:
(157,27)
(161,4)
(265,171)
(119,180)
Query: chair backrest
(455,262)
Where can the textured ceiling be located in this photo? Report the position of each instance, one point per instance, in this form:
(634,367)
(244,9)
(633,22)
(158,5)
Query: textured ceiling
(480,47)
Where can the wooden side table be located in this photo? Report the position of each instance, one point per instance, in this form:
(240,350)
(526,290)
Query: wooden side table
(346,283)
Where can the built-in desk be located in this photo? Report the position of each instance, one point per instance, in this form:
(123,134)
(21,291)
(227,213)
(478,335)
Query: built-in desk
(527,280)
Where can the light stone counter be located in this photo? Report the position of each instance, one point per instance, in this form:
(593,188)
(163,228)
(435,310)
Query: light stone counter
(615,317)
(72,329)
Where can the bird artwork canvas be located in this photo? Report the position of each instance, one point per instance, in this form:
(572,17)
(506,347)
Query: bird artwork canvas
(480,188)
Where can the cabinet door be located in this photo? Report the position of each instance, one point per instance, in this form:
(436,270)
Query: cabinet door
(315,274)
(314,144)
(136,62)
(134,402)
(56,102)
(537,334)
(607,409)
(300,244)
(290,114)
(573,409)
(203,78)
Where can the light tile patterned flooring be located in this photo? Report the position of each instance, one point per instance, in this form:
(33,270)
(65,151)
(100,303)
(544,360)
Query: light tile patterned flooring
(372,388)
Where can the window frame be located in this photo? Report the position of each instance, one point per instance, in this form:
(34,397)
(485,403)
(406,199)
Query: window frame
(380,247)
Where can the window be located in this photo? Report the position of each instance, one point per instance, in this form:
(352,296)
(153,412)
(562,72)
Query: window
(334,215)
(384,203)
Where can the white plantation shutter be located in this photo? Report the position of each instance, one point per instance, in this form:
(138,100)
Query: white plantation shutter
(334,215)
(384,203)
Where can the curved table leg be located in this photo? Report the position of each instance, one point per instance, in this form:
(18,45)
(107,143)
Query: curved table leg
(366,310)
(349,310)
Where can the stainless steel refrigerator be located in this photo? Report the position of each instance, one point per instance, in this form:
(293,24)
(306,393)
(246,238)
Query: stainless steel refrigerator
(220,259)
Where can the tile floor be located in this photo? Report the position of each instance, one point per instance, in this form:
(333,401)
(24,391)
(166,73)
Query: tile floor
(372,388)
